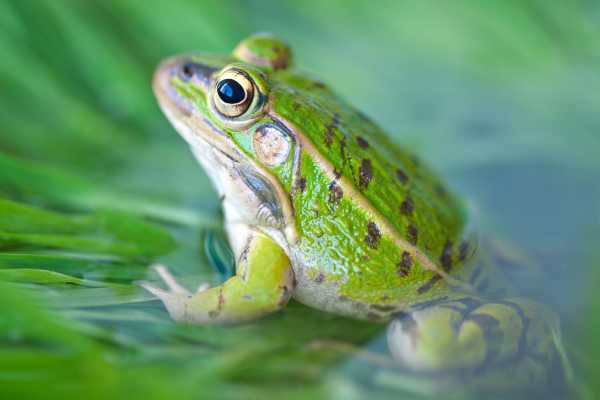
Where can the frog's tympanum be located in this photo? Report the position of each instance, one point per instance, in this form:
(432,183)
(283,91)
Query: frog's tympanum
(320,205)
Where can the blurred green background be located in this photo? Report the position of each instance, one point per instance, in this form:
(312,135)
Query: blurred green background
(501,97)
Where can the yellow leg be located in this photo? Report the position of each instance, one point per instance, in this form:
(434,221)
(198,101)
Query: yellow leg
(263,284)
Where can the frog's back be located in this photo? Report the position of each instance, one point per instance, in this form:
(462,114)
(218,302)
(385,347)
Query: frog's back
(370,215)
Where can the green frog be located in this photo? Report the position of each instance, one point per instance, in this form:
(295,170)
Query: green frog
(320,205)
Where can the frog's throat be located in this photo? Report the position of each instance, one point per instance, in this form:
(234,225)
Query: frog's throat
(357,196)
(198,131)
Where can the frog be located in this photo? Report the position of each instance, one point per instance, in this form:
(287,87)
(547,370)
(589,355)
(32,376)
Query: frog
(322,206)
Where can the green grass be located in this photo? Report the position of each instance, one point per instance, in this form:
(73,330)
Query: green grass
(95,186)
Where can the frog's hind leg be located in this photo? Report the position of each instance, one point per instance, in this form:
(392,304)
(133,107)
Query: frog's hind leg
(515,336)
(263,284)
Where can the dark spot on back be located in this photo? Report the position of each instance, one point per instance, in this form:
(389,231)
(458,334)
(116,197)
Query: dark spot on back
(329,136)
(335,193)
(337,173)
(412,234)
(405,264)
(343,149)
(319,85)
(362,142)
(373,235)
(401,175)
(329,130)
(427,285)
(407,206)
(446,257)
(296,106)
(365,173)
(320,278)
(302,184)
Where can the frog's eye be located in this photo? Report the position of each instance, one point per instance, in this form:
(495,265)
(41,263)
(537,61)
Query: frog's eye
(233,94)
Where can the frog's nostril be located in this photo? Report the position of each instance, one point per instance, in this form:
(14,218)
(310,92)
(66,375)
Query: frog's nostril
(187,71)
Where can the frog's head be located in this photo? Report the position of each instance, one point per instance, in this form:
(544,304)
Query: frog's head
(220,106)
(210,97)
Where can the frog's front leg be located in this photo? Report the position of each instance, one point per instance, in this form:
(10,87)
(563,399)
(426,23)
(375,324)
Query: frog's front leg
(470,334)
(263,284)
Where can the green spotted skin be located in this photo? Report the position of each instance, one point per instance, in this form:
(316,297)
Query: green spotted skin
(339,235)
(321,205)
(341,205)
(339,239)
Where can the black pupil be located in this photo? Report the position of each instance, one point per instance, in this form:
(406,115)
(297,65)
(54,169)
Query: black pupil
(230,91)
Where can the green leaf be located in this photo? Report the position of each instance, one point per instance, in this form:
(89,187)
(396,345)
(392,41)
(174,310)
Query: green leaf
(33,180)
(105,232)
(45,277)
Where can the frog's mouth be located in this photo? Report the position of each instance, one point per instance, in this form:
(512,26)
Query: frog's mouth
(195,128)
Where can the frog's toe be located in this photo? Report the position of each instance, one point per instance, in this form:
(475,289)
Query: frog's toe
(156,291)
(164,274)
(176,298)
(175,303)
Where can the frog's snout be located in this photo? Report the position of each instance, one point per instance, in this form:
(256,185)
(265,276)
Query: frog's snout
(186,69)
(163,75)
(164,81)
(178,71)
